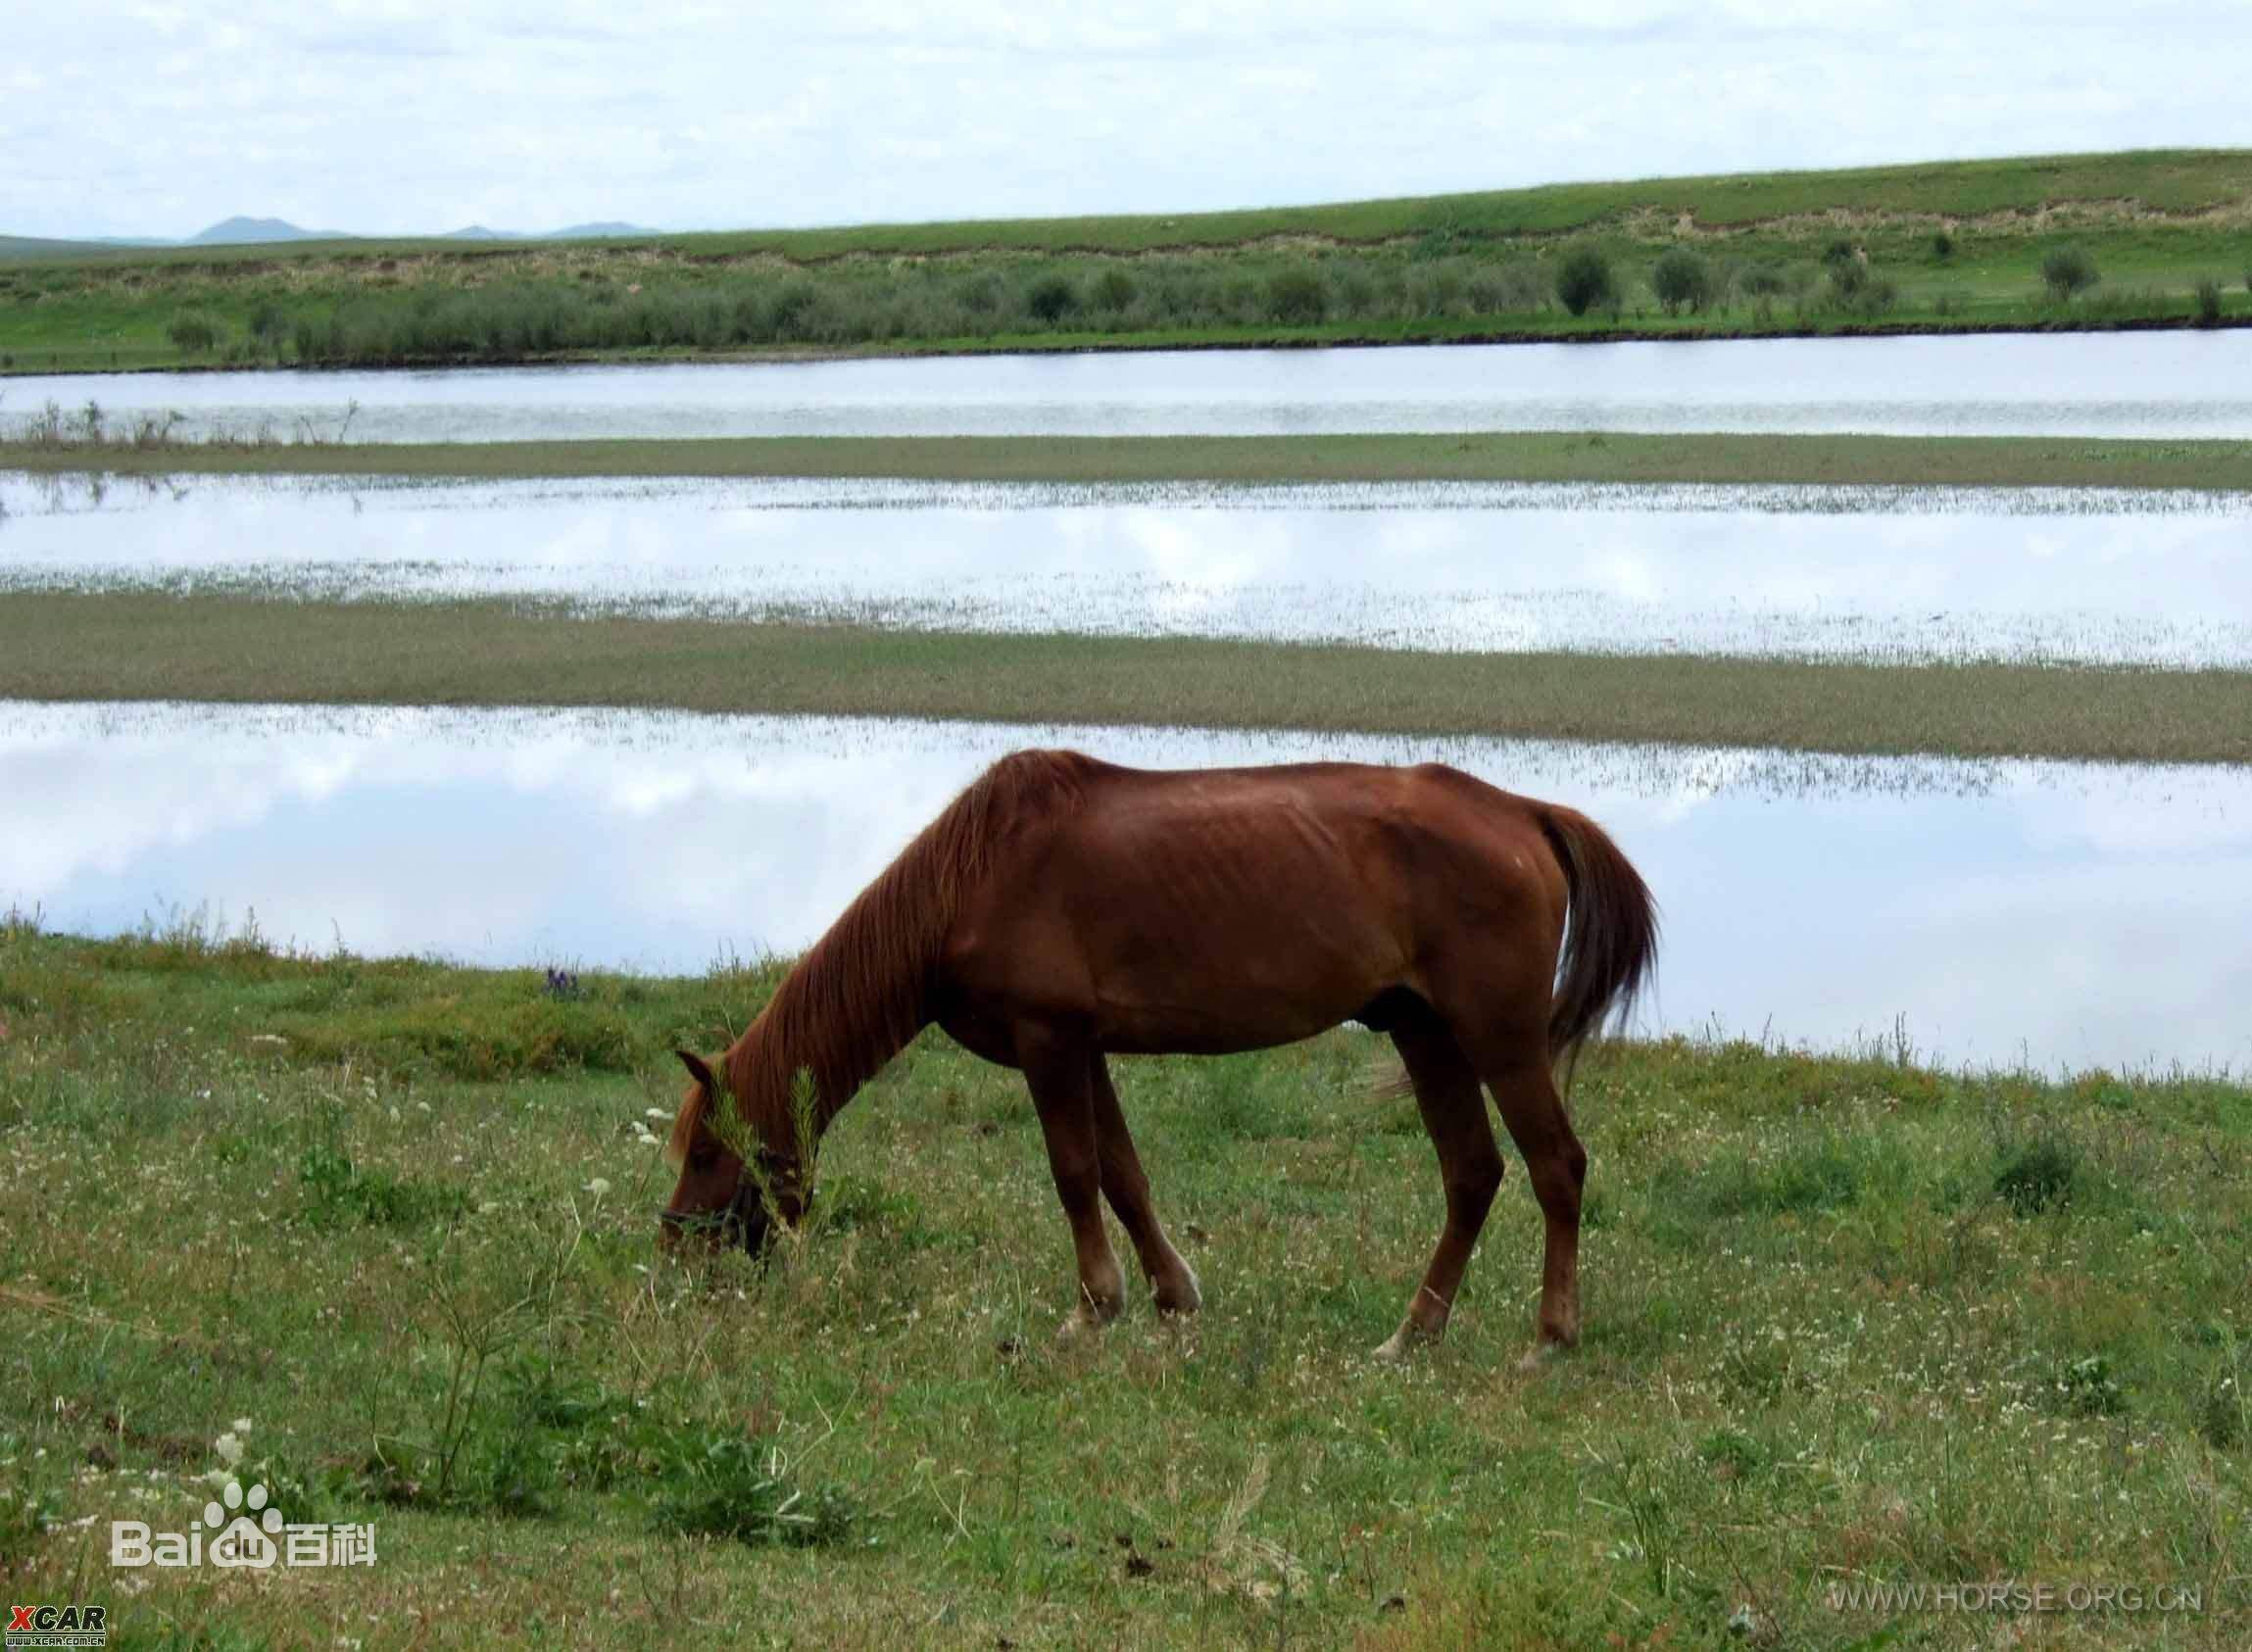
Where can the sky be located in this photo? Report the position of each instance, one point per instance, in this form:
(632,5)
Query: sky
(388,117)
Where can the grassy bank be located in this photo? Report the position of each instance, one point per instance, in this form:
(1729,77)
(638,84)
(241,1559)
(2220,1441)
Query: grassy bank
(1947,246)
(1849,1322)
(1528,457)
(160,647)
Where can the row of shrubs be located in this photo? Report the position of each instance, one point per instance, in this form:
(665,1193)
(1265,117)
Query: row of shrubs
(926,302)
(884,304)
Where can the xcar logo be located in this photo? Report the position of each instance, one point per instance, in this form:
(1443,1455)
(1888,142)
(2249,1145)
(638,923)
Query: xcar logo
(57,1626)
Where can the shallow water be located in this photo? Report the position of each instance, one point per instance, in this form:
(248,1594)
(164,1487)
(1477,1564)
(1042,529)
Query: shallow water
(2059,915)
(1864,574)
(2177,383)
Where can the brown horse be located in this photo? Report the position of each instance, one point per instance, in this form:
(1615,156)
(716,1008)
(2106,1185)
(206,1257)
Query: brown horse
(1063,909)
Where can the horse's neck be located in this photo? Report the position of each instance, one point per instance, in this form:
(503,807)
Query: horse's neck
(857,997)
(803,1062)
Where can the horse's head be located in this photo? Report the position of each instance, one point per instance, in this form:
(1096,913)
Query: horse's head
(716,1199)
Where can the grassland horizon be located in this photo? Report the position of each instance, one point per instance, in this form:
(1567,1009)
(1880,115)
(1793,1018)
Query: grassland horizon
(2159,237)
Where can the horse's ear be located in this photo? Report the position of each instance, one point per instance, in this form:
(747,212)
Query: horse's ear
(697,1070)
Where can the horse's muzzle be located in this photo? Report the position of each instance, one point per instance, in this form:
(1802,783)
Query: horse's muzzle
(742,1220)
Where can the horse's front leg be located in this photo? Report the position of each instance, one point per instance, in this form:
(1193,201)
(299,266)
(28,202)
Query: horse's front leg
(1059,1071)
(1172,1281)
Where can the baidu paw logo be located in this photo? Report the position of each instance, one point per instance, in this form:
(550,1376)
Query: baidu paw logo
(247,1540)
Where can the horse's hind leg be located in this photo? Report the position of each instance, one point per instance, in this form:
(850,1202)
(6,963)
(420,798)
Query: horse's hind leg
(1469,1166)
(1172,1281)
(1058,1071)
(1524,1090)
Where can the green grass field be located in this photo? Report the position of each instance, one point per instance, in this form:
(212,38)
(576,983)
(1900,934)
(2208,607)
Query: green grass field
(377,1234)
(1512,457)
(1850,1321)
(1942,246)
(155,646)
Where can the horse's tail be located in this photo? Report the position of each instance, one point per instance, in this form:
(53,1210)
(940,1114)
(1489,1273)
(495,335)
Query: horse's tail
(1610,936)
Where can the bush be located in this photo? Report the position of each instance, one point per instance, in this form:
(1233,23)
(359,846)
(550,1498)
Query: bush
(788,311)
(1355,291)
(980,295)
(1681,278)
(1439,289)
(1497,288)
(1113,289)
(1296,296)
(1052,298)
(2209,301)
(2067,271)
(1857,290)
(722,1485)
(2039,1174)
(1942,246)
(1242,300)
(1765,280)
(193,332)
(339,1193)
(1583,281)
(1839,252)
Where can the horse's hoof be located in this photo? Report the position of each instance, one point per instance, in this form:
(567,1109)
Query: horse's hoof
(1543,1354)
(1177,1301)
(1084,1326)
(1399,1344)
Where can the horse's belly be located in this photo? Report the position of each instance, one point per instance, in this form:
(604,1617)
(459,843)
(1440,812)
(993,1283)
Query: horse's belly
(1272,986)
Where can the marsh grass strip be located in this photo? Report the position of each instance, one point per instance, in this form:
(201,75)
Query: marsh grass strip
(70,647)
(1831,460)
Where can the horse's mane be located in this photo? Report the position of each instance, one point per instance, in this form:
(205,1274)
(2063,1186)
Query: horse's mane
(859,994)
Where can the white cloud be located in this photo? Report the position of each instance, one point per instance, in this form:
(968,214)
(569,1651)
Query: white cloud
(406,116)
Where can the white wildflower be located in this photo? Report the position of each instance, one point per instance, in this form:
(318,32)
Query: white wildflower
(598,1187)
(230,1450)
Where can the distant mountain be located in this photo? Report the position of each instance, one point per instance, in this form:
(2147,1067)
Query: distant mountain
(253,231)
(572,232)
(32,245)
(244,231)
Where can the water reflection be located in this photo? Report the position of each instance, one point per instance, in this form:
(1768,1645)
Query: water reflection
(2061,914)
(2180,383)
(2065,576)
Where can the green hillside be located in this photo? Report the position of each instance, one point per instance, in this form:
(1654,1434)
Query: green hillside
(2159,237)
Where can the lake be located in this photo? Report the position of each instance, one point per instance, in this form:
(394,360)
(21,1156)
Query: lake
(2162,383)
(2056,915)
(1886,574)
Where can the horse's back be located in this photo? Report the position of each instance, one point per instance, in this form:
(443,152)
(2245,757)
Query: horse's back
(1270,902)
